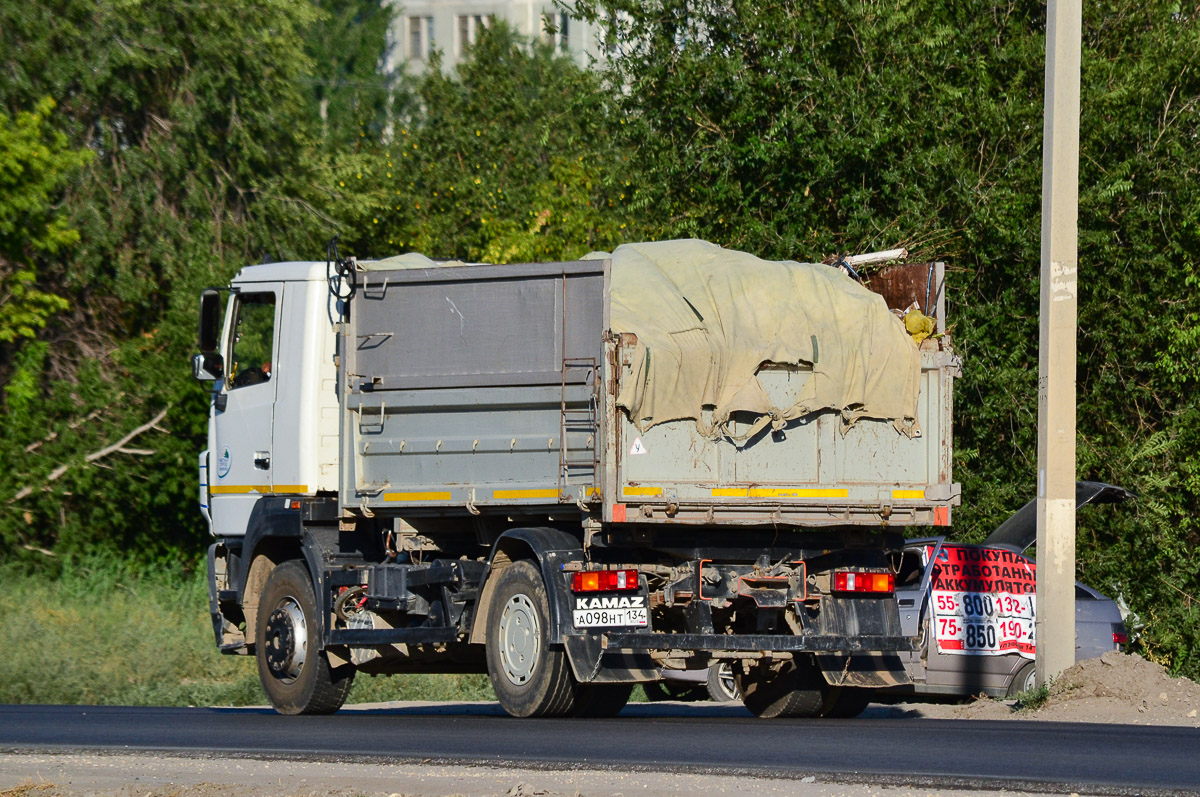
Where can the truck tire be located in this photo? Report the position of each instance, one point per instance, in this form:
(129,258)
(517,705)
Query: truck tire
(795,689)
(845,702)
(601,700)
(294,671)
(721,686)
(531,677)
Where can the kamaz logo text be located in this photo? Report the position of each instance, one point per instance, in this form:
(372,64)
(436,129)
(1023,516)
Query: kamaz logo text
(611,602)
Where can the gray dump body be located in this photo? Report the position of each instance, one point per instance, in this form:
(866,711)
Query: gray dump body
(491,389)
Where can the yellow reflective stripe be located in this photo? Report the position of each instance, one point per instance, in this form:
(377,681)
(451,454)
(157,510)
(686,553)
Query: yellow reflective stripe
(436,495)
(779,492)
(798,492)
(730,492)
(918,495)
(239,489)
(502,495)
(262,489)
(627,490)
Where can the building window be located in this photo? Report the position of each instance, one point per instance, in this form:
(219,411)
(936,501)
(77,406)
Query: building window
(611,33)
(469,28)
(556,28)
(420,38)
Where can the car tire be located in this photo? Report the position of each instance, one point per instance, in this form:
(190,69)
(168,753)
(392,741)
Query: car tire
(601,700)
(791,689)
(531,677)
(1024,681)
(294,671)
(721,686)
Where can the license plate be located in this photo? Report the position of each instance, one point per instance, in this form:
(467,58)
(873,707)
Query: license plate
(608,618)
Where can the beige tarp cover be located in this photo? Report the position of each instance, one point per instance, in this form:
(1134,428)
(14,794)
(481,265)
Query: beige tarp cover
(408,260)
(707,318)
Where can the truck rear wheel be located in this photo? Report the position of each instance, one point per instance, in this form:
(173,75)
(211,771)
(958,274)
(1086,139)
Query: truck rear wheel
(844,702)
(601,700)
(531,677)
(293,669)
(791,689)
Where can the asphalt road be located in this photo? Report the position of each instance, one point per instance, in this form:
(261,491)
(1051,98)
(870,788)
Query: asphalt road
(1091,758)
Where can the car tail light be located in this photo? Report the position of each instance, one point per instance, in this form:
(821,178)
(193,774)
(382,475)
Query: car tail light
(604,580)
(850,581)
(1120,637)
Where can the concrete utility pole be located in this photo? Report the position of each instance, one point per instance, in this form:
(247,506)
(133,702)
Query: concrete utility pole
(1055,619)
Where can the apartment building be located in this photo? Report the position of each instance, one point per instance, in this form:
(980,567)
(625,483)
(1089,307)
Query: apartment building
(451,26)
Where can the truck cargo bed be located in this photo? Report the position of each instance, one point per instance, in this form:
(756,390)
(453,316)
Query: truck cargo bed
(491,389)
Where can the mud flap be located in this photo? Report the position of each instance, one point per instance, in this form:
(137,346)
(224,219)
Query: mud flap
(590,663)
(871,670)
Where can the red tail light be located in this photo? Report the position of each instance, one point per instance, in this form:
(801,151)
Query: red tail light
(849,581)
(1120,637)
(604,580)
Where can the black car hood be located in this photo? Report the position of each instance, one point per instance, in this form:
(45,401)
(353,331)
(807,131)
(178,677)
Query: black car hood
(1020,530)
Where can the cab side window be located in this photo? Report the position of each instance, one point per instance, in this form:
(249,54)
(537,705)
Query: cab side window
(253,340)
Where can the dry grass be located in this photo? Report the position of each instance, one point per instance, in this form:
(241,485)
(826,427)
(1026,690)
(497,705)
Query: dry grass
(105,634)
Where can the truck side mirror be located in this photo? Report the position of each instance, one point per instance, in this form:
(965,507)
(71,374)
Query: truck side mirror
(208,366)
(210,320)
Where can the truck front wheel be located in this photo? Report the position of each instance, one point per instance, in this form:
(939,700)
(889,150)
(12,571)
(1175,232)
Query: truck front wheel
(531,678)
(294,671)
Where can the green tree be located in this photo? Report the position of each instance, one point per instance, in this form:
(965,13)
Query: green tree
(510,158)
(204,158)
(351,81)
(35,164)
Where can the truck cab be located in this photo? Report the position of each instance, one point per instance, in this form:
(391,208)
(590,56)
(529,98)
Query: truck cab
(273,422)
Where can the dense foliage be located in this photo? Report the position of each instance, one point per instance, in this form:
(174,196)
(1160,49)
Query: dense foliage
(35,162)
(353,76)
(509,159)
(149,149)
(198,126)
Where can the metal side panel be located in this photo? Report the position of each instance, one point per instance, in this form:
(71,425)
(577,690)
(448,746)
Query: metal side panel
(473,326)
(812,474)
(475,386)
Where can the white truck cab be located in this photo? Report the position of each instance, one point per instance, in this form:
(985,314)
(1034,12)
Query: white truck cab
(273,423)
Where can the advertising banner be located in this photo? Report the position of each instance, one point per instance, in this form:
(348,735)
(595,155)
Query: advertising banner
(983,601)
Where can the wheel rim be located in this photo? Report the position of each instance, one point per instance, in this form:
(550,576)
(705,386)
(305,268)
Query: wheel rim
(286,640)
(520,640)
(725,680)
(1030,680)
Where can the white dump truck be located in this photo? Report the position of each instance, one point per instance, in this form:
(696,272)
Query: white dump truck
(572,476)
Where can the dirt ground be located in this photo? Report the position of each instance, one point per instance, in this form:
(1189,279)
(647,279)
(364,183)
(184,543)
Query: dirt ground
(146,776)
(1115,688)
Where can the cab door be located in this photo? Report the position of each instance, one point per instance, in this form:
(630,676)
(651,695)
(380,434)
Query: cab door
(240,463)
